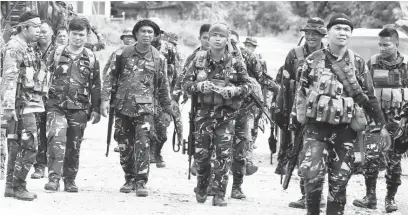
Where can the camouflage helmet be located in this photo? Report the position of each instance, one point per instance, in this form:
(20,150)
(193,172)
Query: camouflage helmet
(315,24)
(126,32)
(251,40)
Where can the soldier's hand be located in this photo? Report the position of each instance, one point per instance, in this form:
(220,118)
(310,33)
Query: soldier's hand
(205,86)
(95,117)
(386,139)
(174,106)
(166,119)
(229,92)
(9,115)
(105,108)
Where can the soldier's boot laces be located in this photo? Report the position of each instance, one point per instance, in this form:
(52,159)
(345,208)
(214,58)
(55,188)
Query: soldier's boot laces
(390,205)
(251,168)
(194,168)
(141,190)
(21,193)
(52,185)
(38,173)
(201,195)
(160,162)
(70,186)
(9,192)
(128,187)
(299,203)
(237,193)
(219,200)
(370,200)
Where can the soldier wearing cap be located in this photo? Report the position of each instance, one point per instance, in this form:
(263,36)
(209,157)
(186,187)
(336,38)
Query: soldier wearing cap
(334,94)
(142,88)
(21,63)
(314,33)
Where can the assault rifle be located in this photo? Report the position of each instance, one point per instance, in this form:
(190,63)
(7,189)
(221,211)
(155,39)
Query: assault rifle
(188,146)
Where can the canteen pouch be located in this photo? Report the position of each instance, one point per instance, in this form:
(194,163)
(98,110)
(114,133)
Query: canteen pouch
(323,109)
(358,122)
(336,111)
(348,109)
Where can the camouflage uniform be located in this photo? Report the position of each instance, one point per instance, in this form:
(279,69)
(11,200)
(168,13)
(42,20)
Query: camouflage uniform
(75,90)
(392,109)
(21,63)
(328,138)
(214,122)
(41,158)
(135,104)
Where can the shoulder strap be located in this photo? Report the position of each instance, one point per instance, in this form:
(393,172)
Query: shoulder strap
(373,59)
(352,59)
(58,53)
(91,57)
(299,53)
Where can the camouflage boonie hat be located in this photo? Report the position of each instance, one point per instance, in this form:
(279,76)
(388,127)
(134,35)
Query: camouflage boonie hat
(251,40)
(126,32)
(316,24)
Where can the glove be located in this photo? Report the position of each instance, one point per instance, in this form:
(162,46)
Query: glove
(205,86)
(229,92)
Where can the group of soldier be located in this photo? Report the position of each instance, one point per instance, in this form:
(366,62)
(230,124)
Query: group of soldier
(53,89)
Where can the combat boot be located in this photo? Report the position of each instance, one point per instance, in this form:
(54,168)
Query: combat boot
(38,173)
(250,168)
(21,193)
(141,190)
(301,203)
(236,192)
(160,162)
(8,192)
(390,205)
(201,195)
(52,185)
(70,186)
(194,168)
(370,200)
(219,200)
(128,187)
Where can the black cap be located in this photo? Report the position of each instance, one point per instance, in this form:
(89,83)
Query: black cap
(340,18)
(146,22)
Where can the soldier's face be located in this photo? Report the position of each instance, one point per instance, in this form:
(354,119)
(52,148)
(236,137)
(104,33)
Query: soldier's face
(218,41)
(45,34)
(78,38)
(313,38)
(339,34)
(250,47)
(32,33)
(145,35)
(62,38)
(204,40)
(388,46)
(129,40)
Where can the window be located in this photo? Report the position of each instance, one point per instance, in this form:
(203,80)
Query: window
(80,7)
(98,8)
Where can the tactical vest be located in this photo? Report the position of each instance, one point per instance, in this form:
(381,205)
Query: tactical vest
(298,62)
(136,84)
(229,77)
(329,98)
(66,69)
(390,88)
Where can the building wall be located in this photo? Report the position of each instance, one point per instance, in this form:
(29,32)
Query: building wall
(92,8)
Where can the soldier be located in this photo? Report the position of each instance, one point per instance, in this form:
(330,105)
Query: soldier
(62,36)
(210,78)
(173,39)
(20,67)
(389,61)
(314,33)
(163,121)
(141,73)
(43,49)
(75,94)
(334,84)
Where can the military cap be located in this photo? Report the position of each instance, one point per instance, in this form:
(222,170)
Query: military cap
(146,22)
(340,18)
(219,27)
(126,32)
(315,24)
(251,40)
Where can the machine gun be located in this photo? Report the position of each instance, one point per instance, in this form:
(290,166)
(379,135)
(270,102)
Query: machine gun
(188,145)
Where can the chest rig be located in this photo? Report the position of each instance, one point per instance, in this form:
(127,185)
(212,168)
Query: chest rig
(221,75)
(329,98)
(390,84)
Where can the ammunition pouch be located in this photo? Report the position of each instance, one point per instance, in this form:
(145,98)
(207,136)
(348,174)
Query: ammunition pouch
(36,80)
(213,98)
(327,84)
(392,98)
(387,78)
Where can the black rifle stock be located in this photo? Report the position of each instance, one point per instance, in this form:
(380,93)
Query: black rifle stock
(188,146)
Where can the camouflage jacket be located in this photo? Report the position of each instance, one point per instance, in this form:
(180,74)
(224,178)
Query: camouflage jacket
(21,65)
(135,91)
(111,58)
(76,83)
(40,52)
(370,106)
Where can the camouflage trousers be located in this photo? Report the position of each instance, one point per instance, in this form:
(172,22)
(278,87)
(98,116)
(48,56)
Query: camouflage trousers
(22,152)
(327,148)
(65,131)
(374,157)
(214,131)
(41,158)
(134,137)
